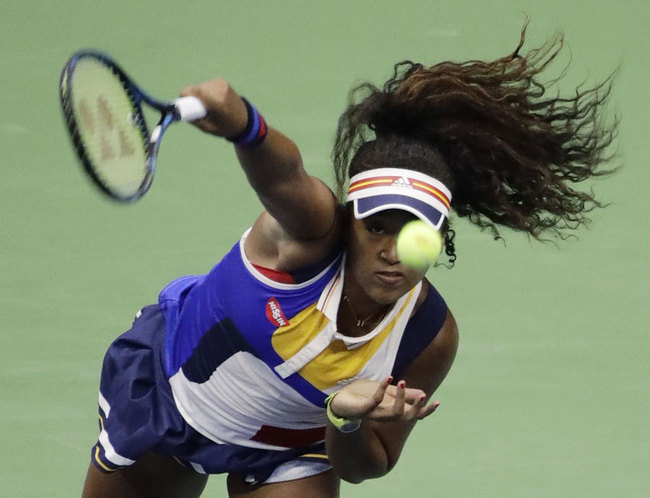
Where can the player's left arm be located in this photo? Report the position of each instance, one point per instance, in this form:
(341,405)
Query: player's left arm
(374,449)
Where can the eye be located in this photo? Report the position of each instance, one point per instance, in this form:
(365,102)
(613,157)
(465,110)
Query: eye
(375,226)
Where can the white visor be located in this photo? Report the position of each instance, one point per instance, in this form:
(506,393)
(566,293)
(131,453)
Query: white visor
(395,188)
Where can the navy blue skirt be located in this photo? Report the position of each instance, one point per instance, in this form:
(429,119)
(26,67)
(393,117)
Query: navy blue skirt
(137,413)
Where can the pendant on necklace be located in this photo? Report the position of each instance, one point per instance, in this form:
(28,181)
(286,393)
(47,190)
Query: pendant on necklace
(358,322)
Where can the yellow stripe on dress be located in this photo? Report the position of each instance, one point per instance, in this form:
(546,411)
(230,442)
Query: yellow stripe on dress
(336,362)
(99,462)
(314,455)
(330,292)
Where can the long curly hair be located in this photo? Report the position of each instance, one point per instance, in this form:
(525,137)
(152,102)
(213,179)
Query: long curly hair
(510,153)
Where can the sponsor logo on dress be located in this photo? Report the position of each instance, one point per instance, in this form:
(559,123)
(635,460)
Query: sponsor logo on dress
(344,382)
(274,313)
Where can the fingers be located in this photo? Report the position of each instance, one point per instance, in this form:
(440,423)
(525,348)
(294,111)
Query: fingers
(227,113)
(429,409)
(214,93)
(378,397)
(420,410)
(400,397)
(382,401)
(411,404)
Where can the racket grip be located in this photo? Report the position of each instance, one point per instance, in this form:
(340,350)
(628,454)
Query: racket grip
(190,108)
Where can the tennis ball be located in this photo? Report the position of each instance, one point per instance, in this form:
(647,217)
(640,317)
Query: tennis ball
(418,244)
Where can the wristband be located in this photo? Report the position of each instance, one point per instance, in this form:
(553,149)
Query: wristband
(344,425)
(255,131)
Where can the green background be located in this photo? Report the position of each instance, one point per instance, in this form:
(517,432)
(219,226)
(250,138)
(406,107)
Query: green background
(549,395)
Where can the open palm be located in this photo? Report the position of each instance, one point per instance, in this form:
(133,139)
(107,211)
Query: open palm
(381,401)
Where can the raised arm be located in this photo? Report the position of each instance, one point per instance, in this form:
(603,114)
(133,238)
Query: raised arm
(302,220)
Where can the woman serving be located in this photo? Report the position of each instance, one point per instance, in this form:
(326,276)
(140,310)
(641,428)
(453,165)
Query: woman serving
(309,351)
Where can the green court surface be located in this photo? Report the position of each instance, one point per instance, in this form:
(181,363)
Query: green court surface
(550,392)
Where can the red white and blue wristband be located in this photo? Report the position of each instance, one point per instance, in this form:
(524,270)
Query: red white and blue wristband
(255,131)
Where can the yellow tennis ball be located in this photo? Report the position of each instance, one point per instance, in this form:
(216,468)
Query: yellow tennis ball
(418,244)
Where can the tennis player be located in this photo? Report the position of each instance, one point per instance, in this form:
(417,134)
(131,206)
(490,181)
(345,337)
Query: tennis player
(309,352)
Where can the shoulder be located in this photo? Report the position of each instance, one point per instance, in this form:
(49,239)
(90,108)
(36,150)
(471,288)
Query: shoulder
(272,246)
(430,302)
(431,366)
(432,338)
(425,323)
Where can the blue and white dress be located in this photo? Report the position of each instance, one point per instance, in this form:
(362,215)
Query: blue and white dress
(249,355)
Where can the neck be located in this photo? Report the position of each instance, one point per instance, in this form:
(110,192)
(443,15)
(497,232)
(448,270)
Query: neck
(358,315)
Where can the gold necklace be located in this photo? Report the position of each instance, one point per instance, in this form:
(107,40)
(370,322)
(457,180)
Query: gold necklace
(360,323)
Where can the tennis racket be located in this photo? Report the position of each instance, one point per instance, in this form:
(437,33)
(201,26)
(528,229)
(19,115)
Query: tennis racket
(104,113)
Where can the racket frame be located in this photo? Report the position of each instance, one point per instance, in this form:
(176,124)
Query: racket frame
(169,114)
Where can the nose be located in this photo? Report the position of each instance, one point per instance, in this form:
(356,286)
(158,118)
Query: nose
(389,250)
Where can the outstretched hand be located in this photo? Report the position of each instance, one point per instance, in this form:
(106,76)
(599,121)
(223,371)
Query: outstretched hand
(382,401)
(227,114)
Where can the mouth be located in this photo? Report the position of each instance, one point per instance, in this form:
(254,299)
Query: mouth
(390,277)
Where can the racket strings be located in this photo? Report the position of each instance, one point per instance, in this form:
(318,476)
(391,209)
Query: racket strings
(111,130)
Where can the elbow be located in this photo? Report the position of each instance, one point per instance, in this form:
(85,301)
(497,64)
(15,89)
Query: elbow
(356,475)
(365,457)
(354,478)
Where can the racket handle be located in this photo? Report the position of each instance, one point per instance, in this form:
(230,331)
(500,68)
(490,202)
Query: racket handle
(190,108)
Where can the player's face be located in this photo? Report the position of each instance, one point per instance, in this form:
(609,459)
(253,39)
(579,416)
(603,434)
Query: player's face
(373,267)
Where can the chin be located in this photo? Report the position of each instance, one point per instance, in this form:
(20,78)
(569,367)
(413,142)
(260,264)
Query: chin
(383,296)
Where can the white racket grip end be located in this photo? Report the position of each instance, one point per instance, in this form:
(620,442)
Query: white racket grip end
(190,108)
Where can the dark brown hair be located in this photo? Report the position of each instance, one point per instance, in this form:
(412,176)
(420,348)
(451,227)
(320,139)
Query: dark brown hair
(508,152)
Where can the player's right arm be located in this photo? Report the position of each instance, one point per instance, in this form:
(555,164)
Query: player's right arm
(302,219)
